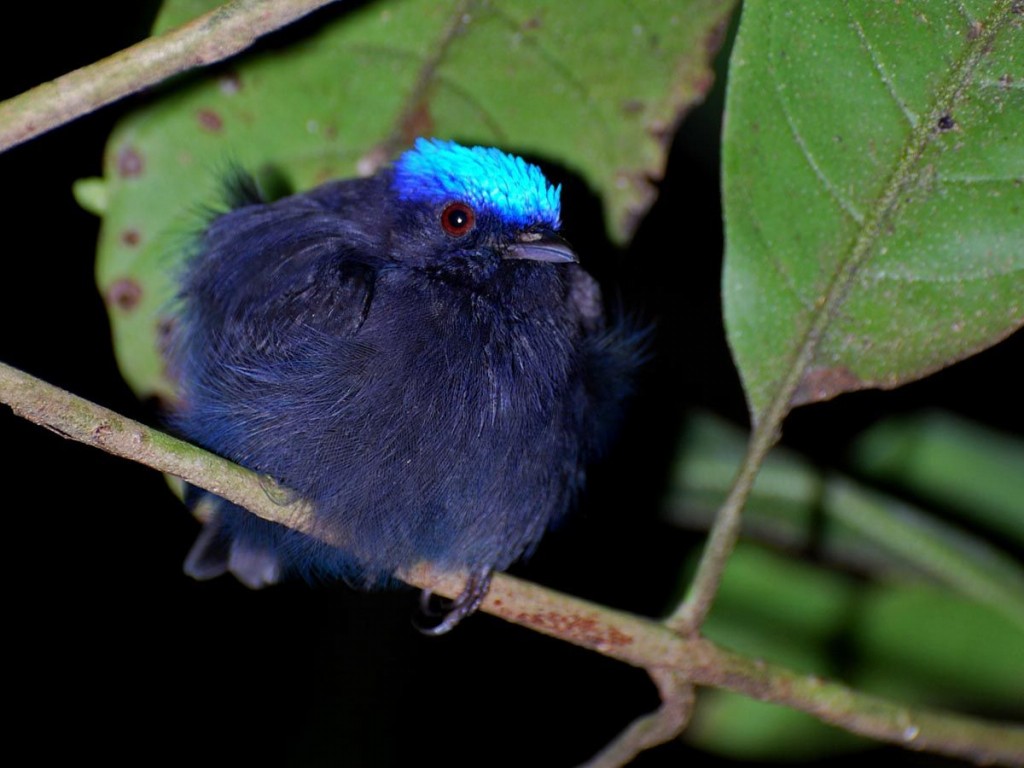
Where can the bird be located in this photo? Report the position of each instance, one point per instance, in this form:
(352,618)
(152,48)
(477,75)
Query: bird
(417,353)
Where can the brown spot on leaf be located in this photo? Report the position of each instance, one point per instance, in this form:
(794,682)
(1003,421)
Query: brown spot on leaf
(534,22)
(124,294)
(130,237)
(129,162)
(946,123)
(633,106)
(820,384)
(975,30)
(210,120)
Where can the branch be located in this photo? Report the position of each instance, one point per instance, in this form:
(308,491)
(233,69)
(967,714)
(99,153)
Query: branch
(690,615)
(634,640)
(660,727)
(212,37)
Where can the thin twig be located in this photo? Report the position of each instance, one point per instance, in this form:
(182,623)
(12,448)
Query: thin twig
(659,727)
(691,613)
(212,37)
(634,640)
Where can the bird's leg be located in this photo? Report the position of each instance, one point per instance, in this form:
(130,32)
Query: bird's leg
(451,612)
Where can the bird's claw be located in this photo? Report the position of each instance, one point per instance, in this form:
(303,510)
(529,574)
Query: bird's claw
(450,612)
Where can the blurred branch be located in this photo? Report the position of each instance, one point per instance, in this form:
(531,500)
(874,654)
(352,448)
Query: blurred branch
(210,38)
(660,727)
(634,640)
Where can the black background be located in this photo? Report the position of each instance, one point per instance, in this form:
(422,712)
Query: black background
(114,654)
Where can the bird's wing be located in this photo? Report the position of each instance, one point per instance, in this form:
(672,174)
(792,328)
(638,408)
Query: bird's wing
(265,273)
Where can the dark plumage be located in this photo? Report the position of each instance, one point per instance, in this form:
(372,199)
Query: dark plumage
(417,353)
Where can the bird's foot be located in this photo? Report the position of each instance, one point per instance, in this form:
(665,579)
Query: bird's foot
(276,492)
(439,615)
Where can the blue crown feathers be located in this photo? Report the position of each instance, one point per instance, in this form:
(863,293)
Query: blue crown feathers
(483,177)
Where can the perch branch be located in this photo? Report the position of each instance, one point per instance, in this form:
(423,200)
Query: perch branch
(632,639)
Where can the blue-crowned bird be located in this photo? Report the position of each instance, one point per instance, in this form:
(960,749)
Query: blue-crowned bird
(417,353)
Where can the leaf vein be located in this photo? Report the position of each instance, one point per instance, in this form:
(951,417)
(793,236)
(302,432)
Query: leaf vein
(876,62)
(844,204)
(956,278)
(419,93)
(555,62)
(968,17)
(779,267)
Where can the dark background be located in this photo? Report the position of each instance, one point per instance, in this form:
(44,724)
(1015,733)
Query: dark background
(115,654)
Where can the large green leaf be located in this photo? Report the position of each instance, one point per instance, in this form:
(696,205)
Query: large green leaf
(874,192)
(595,87)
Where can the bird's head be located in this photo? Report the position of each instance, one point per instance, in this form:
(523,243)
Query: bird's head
(478,202)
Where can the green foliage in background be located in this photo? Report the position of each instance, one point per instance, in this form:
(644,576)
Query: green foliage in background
(895,601)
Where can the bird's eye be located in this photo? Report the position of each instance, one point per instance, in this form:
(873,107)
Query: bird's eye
(457,219)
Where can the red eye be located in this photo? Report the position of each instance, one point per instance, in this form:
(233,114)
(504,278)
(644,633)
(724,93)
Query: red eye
(457,219)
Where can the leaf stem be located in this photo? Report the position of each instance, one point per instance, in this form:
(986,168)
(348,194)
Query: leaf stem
(215,36)
(691,613)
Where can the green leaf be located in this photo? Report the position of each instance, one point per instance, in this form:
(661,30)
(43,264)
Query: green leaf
(741,728)
(174,13)
(924,644)
(946,554)
(968,468)
(596,88)
(873,164)
(91,194)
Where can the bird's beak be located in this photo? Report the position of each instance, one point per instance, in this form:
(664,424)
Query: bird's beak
(537,246)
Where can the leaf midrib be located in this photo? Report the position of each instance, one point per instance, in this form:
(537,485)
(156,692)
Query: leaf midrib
(886,206)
